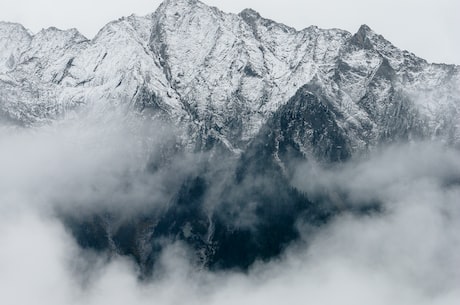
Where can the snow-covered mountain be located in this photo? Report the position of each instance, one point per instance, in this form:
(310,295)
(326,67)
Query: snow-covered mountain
(260,91)
(225,75)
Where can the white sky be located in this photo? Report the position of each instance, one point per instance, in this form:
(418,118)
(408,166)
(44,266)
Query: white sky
(428,28)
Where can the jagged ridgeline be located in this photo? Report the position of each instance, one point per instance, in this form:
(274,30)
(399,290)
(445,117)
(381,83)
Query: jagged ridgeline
(250,99)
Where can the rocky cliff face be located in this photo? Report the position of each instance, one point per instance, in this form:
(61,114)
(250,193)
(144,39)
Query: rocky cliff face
(256,91)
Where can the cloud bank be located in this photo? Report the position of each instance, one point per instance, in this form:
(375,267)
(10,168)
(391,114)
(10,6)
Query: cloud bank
(405,254)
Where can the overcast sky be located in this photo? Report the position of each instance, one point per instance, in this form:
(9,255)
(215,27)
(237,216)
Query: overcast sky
(428,28)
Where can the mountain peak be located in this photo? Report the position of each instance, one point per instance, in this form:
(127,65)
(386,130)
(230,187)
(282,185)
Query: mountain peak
(183,3)
(9,27)
(180,7)
(365,29)
(249,13)
(60,35)
(363,37)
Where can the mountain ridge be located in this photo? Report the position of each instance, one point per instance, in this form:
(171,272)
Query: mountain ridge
(199,64)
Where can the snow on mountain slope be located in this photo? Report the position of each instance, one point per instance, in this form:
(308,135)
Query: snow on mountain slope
(222,76)
(14,39)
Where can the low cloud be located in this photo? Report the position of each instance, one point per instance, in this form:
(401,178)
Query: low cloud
(385,174)
(405,254)
(91,165)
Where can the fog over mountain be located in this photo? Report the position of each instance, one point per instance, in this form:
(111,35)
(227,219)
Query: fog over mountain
(197,156)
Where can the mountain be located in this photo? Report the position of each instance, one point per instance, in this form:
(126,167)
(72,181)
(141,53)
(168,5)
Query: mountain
(240,87)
